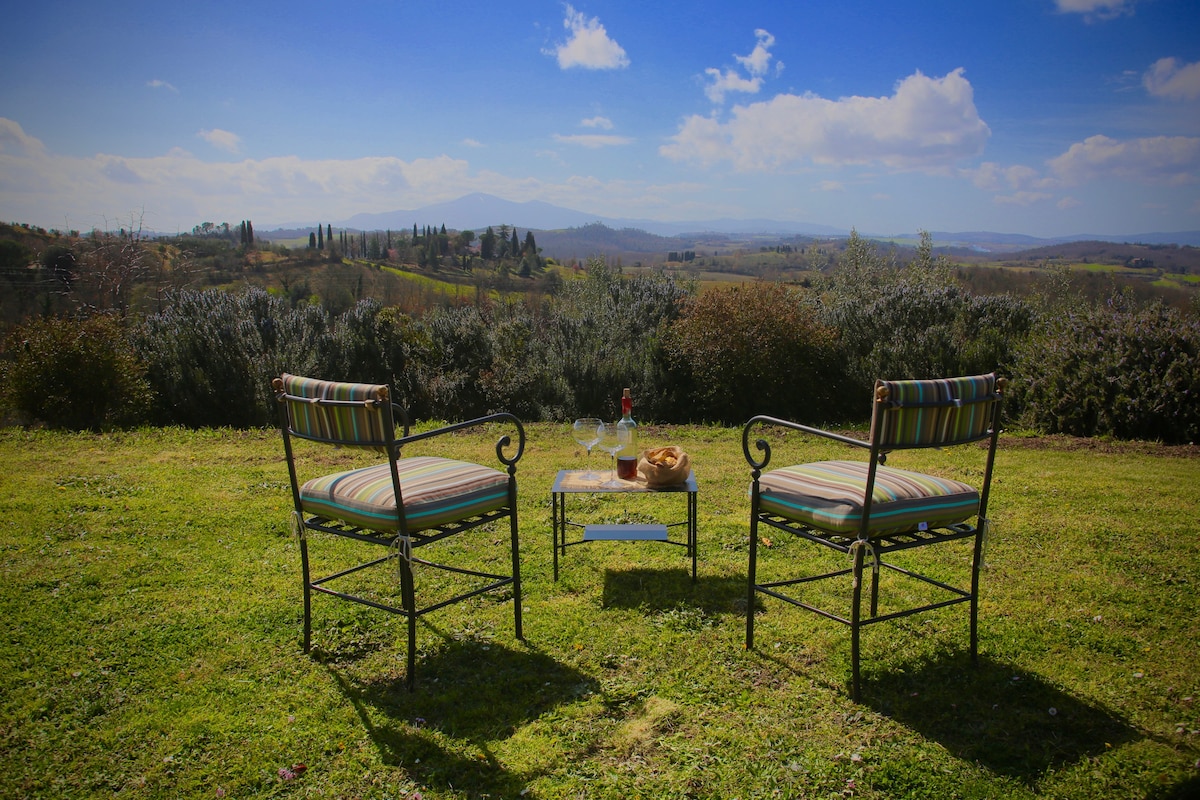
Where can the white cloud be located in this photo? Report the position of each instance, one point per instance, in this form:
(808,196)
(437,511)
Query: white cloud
(157,84)
(222,140)
(14,142)
(593,140)
(468,142)
(1022,198)
(1096,9)
(1171,160)
(178,190)
(1175,81)
(927,124)
(756,64)
(588,46)
(760,57)
(993,177)
(603,123)
(729,81)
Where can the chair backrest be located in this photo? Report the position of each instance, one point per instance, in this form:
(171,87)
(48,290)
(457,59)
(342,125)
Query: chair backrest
(934,413)
(347,414)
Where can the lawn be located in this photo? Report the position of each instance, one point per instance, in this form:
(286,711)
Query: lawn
(151,605)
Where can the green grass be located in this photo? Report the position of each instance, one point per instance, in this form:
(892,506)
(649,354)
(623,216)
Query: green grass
(150,597)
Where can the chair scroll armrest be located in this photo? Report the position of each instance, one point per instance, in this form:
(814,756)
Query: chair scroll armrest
(765,448)
(502,444)
(400,415)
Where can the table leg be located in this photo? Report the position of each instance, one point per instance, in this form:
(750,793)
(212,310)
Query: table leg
(692,525)
(558,499)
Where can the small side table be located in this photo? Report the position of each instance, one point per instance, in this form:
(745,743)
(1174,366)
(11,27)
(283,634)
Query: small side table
(571,481)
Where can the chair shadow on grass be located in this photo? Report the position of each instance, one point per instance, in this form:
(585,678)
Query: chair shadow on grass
(668,589)
(469,694)
(1010,721)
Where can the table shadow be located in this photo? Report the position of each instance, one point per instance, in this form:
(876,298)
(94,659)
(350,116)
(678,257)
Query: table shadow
(667,589)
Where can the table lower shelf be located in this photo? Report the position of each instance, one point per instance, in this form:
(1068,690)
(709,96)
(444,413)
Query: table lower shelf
(625,533)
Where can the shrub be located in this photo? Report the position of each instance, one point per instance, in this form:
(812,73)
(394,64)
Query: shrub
(605,333)
(373,344)
(459,351)
(212,355)
(1112,370)
(756,349)
(492,357)
(75,374)
(911,329)
(916,321)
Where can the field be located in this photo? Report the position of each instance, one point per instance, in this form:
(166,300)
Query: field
(150,595)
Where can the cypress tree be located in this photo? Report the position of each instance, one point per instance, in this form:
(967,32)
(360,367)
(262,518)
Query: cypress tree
(487,244)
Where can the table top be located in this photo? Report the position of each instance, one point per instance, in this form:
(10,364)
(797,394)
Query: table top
(574,480)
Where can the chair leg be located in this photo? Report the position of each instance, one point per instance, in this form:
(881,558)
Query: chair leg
(855,623)
(975,567)
(307,593)
(752,571)
(516,572)
(409,602)
(874,588)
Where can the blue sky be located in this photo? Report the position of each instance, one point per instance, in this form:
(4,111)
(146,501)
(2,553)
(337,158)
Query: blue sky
(1044,117)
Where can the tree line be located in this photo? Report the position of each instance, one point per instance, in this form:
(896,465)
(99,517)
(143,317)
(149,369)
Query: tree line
(433,248)
(1118,367)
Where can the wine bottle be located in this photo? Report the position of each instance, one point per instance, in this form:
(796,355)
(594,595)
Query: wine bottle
(627,459)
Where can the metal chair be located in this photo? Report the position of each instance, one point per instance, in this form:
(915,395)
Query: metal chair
(402,504)
(867,510)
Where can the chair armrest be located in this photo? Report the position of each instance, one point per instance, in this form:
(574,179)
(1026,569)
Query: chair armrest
(765,448)
(502,444)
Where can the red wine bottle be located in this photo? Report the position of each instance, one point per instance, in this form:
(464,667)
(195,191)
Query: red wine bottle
(627,458)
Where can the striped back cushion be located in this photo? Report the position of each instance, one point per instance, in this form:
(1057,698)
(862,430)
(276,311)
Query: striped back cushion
(933,412)
(361,425)
(828,495)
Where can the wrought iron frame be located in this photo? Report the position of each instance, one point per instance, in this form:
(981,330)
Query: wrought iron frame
(403,542)
(862,545)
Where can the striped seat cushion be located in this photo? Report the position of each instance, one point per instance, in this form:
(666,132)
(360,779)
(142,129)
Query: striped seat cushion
(828,495)
(435,491)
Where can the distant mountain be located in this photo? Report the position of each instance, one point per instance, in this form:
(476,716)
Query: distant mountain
(1019,241)
(1181,238)
(478,211)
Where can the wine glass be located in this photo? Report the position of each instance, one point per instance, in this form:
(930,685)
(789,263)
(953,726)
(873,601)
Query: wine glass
(586,431)
(613,438)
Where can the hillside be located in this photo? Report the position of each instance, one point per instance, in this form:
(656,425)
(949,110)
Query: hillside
(630,244)
(1166,257)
